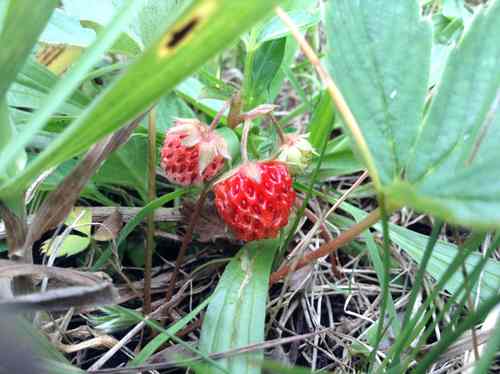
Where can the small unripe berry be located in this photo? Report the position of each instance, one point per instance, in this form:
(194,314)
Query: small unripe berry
(296,152)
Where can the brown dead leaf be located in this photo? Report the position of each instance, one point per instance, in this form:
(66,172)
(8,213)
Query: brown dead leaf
(110,227)
(11,269)
(63,298)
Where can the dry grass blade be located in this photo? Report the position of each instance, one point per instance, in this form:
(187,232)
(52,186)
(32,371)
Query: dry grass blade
(102,213)
(63,298)
(16,229)
(10,269)
(60,201)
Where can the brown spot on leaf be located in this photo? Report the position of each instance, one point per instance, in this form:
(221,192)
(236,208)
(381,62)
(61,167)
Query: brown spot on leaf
(181,34)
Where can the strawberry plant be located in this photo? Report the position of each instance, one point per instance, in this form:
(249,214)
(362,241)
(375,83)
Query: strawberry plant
(219,186)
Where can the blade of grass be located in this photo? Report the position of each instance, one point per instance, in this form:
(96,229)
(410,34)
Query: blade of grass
(18,40)
(411,327)
(417,284)
(132,224)
(156,326)
(386,261)
(446,340)
(451,302)
(163,338)
(204,29)
(378,264)
(66,86)
(491,351)
(150,240)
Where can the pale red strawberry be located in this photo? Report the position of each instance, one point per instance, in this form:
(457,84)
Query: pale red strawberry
(255,199)
(192,153)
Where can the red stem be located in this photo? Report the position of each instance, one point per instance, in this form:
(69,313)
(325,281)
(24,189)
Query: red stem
(327,248)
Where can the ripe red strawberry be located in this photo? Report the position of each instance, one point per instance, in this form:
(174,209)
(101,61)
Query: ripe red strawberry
(255,199)
(192,152)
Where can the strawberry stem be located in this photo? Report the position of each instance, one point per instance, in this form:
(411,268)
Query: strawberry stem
(244,141)
(219,114)
(187,240)
(234,116)
(279,130)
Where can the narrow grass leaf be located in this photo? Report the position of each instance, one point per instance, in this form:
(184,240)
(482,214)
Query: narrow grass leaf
(17,41)
(62,91)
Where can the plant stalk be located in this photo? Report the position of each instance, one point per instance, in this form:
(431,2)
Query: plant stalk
(150,241)
(186,240)
(279,129)
(244,141)
(219,115)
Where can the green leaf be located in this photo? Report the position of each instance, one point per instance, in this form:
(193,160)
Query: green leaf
(266,64)
(236,315)
(17,41)
(338,159)
(322,120)
(194,92)
(8,133)
(158,15)
(445,163)
(60,93)
(96,14)
(455,166)
(168,109)
(275,29)
(127,166)
(164,337)
(378,53)
(72,244)
(90,191)
(36,76)
(20,96)
(64,29)
(205,29)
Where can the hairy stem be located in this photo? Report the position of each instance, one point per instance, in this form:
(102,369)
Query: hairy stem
(219,115)
(186,240)
(279,129)
(244,141)
(234,116)
(150,241)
